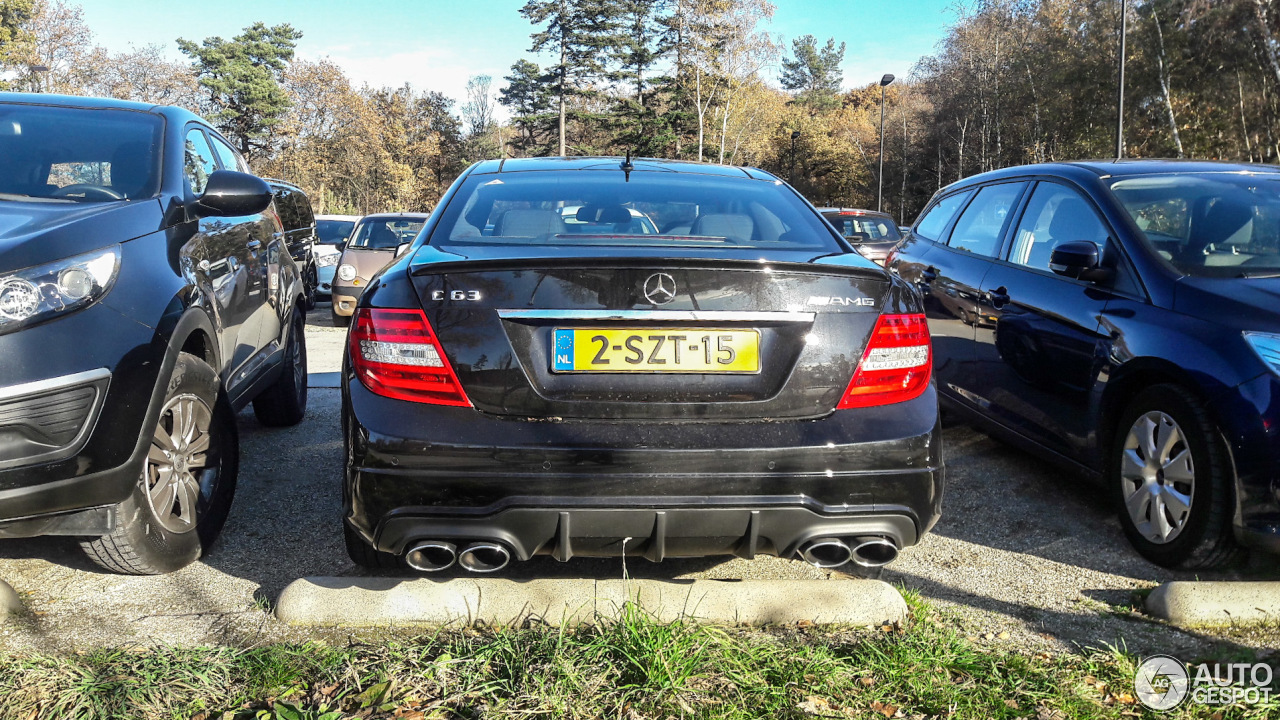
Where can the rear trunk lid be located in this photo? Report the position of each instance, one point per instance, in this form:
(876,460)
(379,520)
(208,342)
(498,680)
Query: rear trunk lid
(565,333)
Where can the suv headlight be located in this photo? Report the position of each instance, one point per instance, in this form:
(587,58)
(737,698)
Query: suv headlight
(37,293)
(327,260)
(1267,346)
(347,273)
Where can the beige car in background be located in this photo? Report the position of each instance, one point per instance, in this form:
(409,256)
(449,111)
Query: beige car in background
(373,244)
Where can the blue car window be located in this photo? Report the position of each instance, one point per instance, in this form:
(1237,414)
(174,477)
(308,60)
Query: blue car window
(933,222)
(1056,214)
(978,229)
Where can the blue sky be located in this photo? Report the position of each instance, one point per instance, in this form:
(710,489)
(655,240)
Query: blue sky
(438,44)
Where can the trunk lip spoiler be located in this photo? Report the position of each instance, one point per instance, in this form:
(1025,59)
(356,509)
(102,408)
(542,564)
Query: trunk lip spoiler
(448,262)
(762,316)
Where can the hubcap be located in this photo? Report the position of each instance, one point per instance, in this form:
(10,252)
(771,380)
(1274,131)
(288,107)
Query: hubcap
(177,462)
(1158,477)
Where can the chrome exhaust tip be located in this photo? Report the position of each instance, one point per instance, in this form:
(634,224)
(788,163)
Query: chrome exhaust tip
(484,557)
(431,556)
(826,552)
(874,551)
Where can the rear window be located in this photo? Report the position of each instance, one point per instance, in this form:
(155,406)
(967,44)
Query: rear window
(78,155)
(651,209)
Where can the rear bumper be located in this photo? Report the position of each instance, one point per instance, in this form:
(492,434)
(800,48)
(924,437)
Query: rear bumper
(659,489)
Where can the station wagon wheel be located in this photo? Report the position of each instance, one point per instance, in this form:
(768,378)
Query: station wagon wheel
(1169,467)
(186,481)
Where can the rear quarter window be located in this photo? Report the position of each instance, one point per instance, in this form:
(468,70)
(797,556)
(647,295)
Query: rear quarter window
(935,220)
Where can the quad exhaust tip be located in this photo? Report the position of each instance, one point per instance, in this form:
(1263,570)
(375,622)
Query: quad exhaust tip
(431,556)
(864,551)
(484,557)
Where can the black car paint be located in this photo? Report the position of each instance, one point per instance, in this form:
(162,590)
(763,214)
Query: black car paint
(768,468)
(298,223)
(1048,362)
(163,301)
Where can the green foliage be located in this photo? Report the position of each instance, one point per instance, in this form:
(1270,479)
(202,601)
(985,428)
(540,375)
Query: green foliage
(814,72)
(242,77)
(14,36)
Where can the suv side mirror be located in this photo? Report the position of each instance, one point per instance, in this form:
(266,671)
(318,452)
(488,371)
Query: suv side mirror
(1080,260)
(402,248)
(231,194)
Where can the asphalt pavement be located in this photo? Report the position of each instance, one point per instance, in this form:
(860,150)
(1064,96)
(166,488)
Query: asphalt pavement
(1025,554)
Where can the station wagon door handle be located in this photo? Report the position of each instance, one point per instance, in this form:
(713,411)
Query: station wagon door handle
(929,274)
(255,244)
(277,235)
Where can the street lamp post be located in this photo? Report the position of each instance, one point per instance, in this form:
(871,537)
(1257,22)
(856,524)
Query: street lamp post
(1124,32)
(884,83)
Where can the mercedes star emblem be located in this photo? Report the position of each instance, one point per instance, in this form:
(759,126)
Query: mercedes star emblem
(660,288)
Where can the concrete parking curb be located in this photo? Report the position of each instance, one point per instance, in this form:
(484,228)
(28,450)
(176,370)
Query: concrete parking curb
(10,603)
(1188,604)
(331,601)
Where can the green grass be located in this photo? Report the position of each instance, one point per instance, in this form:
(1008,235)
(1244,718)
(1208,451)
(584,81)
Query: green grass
(630,670)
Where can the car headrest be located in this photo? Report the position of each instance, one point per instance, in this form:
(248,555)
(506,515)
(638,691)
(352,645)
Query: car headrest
(726,225)
(529,223)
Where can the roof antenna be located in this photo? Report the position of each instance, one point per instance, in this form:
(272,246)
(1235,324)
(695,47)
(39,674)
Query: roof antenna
(627,167)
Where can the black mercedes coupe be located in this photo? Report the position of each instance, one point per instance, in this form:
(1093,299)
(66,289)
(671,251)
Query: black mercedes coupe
(607,357)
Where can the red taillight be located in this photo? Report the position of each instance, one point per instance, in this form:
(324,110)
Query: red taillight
(397,355)
(895,366)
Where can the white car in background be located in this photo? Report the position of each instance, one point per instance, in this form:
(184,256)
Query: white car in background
(332,232)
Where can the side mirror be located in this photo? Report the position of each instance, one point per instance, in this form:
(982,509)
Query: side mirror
(231,194)
(402,248)
(1079,260)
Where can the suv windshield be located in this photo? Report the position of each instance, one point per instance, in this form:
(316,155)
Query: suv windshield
(385,233)
(332,232)
(651,209)
(78,155)
(1211,224)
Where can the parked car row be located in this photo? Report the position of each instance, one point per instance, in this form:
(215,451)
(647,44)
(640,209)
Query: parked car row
(617,357)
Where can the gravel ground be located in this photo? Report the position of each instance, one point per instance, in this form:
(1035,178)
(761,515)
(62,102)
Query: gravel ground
(1025,555)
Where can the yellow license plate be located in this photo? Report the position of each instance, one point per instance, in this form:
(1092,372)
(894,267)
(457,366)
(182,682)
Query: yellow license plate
(655,350)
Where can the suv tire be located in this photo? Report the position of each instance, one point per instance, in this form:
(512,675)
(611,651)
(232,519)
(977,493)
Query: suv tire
(194,453)
(285,401)
(1167,452)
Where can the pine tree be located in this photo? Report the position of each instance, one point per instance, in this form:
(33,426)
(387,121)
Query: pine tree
(242,77)
(815,73)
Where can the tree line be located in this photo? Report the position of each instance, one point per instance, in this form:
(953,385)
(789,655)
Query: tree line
(1012,81)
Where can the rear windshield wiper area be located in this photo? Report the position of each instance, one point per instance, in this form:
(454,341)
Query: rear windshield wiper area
(1270,273)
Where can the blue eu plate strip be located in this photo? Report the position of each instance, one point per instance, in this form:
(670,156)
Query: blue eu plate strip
(562,350)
